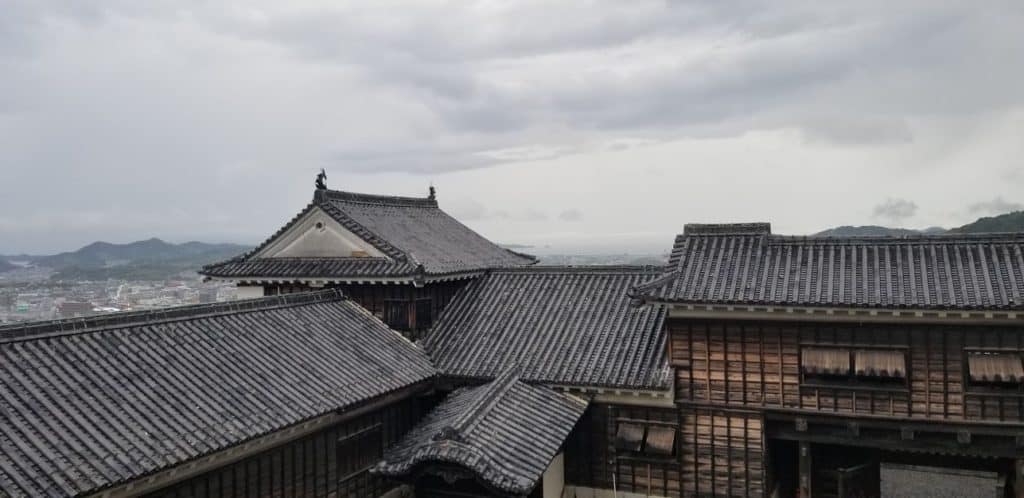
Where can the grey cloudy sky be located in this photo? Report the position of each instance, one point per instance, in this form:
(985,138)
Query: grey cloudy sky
(575,124)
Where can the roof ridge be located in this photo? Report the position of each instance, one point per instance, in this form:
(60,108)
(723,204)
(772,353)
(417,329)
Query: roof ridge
(357,228)
(74,326)
(581,269)
(482,404)
(747,228)
(322,258)
(326,194)
(896,239)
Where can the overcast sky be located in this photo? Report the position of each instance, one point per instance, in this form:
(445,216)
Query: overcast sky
(575,125)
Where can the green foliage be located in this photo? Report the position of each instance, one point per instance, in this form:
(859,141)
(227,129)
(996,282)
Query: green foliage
(1009,222)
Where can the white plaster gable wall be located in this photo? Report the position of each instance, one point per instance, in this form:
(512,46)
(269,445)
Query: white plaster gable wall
(317,235)
(554,478)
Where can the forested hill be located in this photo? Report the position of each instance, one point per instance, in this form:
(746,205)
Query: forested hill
(1009,222)
(151,259)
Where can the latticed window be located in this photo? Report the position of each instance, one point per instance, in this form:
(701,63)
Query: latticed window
(359,451)
(396,314)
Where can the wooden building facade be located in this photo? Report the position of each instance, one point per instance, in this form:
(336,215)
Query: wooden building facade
(812,361)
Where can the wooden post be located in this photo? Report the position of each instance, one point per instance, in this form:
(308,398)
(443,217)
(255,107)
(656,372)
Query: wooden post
(1018,485)
(804,486)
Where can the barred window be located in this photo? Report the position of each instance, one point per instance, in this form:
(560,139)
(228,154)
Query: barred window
(359,451)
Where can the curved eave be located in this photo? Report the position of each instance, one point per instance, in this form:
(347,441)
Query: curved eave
(787,312)
(320,281)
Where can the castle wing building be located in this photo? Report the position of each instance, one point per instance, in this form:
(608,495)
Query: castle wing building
(345,237)
(127,403)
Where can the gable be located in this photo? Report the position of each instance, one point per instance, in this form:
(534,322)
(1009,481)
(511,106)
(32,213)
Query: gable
(318,235)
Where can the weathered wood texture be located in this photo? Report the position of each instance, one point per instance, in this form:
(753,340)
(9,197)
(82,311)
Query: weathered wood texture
(717,453)
(757,364)
(592,461)
(722,453)
(311,466)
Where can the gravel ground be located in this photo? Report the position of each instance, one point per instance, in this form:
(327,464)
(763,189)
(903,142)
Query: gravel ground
(905,481)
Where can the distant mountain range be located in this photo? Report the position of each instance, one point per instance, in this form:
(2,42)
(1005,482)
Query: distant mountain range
(1009,222)
(151,259)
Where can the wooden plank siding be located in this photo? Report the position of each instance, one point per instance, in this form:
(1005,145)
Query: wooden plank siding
(312,466)
(592,461)
(717,453)
(757,365)
(722,453)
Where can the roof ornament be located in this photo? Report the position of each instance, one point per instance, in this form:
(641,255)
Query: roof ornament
(321,180)
(433,193)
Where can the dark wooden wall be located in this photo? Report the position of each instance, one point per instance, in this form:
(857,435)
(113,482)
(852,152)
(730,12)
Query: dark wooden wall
(757,364)
(376,299)
(591,459)
(312,466)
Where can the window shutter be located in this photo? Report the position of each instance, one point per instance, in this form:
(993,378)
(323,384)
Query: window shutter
(822,361)
(995,368)
(630,437)
(880,363)
(660,440)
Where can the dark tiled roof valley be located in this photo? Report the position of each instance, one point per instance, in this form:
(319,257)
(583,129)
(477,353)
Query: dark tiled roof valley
(560,325)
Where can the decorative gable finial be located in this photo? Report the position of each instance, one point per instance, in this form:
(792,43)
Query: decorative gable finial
(433,193)
(321,180)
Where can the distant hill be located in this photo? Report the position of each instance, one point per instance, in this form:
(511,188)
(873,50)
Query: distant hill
(1009,222)
(151,259)
(865,231)
(6,266)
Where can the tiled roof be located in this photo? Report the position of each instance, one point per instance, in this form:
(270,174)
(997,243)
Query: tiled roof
(505,432)
(87,404)
(746,264)
(298,268)
(561,325)
(417,237)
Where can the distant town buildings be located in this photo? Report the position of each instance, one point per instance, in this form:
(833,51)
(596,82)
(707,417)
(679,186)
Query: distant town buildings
(37,298)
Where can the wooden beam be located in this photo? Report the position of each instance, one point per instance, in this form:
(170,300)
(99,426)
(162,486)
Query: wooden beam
(805,484)
(1018,478)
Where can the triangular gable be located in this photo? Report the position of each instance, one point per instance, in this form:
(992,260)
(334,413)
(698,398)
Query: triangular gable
(318,235)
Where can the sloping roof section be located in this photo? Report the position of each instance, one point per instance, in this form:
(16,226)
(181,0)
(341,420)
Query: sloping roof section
(746,264)
(505,433)
(415,236)
(562,325)
(87,404)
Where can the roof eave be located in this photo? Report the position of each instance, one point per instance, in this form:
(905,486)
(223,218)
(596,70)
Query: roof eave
(789,312)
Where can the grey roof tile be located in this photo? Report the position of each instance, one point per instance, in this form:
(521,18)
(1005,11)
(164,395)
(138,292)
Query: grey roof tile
(417,237)
(86,404)
(560,325)
(746,264)
(506,432)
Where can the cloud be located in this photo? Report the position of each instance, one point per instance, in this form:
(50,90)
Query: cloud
(998,205)
(194,105)
(857,131)
(571,215)
(895,210)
